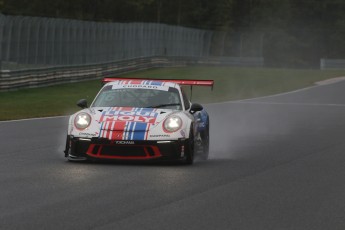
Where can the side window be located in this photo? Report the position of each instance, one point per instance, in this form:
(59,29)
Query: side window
(185,100)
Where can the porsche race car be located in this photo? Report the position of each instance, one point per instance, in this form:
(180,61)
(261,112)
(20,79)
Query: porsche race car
(136,119)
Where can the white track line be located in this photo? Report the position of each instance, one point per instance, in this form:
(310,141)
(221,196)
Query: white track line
(330,81)
(287,103)
(269,96)
(316,85)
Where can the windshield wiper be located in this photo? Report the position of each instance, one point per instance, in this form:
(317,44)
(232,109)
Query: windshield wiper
(163,105)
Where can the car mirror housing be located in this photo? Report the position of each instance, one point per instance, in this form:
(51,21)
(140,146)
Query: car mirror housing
(82,103)
(195,108)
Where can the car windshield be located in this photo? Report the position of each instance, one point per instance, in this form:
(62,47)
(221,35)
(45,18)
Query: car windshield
(141,98)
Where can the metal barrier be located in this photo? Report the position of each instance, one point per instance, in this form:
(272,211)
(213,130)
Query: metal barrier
(332,64)
(45,51)
(31,78)
(50,41)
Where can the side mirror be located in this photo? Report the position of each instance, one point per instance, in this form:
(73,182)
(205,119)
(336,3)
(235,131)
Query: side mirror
(82,103)
(195,108)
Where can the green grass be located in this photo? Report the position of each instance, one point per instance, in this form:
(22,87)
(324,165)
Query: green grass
(230,84)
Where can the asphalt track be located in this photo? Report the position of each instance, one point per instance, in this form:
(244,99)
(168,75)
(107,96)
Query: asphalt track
(276,163)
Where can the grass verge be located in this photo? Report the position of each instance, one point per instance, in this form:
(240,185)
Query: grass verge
(230,84)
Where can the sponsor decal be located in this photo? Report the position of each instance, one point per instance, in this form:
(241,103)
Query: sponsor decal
(119,130)
(88,134)
(144,84)
(140,82)
(124,142)
(120,123)
(202,125)
(132,118)
(144,115)
(160,135)
(140,86)
(183,133)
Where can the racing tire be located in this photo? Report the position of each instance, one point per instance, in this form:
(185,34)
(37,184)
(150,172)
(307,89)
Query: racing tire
(189,149)
(205,138)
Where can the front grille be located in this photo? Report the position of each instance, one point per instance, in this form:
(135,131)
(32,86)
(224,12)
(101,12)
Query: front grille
(106,149)
(79,148)
(95,149)
(123,151)
(150,151)
(169,149)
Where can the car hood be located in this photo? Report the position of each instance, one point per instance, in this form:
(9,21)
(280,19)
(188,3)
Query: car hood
(121,118)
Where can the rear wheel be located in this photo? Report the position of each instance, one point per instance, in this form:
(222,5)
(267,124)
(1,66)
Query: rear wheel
(205,141)
(205,138)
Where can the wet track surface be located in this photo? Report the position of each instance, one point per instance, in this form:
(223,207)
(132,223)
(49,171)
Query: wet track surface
(276,163)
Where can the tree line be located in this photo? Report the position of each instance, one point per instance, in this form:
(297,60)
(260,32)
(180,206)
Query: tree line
(293,33)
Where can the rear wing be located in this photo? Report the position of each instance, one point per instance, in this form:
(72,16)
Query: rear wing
(177,81)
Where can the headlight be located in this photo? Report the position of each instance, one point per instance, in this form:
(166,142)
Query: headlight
(82,120)
(172,124)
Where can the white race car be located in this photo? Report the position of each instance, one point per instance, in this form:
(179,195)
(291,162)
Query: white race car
(136,119)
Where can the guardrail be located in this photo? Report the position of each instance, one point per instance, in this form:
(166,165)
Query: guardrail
(332,64)
(32,78)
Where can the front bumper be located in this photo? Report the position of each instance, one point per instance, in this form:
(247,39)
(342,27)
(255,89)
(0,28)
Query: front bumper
(102,148)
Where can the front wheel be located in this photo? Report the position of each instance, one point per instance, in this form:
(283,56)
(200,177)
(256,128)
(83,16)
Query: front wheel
(189,149)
